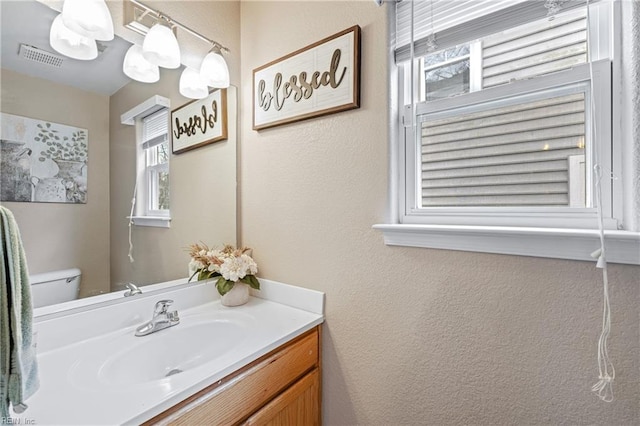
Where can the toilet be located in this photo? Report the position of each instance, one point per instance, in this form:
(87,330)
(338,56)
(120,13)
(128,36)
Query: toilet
(55,287)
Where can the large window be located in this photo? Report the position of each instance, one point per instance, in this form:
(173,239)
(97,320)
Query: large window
(510,120)
(505,112)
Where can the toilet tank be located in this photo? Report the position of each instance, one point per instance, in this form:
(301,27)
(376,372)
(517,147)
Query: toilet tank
(55,287)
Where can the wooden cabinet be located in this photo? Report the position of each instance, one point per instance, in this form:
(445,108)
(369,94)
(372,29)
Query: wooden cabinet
(298,405)
(281,388)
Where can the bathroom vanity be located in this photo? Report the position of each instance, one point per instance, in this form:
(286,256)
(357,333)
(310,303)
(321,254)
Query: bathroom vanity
(253,364)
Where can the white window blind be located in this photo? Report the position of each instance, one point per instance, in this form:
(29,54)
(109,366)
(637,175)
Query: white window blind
(456,21)
(155,129)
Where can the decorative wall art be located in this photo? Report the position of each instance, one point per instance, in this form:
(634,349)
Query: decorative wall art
(199,122)
(42,161)
(316,80)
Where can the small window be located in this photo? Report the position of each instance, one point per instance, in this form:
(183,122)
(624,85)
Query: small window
(155,162)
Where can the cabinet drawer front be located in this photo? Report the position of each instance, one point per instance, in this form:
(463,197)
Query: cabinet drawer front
(248,391)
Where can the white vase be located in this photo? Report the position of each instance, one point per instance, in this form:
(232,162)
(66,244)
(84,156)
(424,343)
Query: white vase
(238,295)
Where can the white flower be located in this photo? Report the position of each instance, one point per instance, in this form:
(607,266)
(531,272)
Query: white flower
(250,265)
(231,269)
(235,268)
(194,265)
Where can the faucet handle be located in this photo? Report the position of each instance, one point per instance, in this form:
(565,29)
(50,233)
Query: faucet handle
(162,306)
(133,290)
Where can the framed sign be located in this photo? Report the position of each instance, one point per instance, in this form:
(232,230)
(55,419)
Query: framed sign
(200,122)
(316,80)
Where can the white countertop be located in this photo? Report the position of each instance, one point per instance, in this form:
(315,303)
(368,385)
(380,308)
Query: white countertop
(70,394)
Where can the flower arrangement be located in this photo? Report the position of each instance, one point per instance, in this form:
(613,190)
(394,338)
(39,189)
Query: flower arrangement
(230,264)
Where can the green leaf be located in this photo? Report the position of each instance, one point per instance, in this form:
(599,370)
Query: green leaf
(48,124)
(41,159)
(224,286)
(252,281)
(37,139)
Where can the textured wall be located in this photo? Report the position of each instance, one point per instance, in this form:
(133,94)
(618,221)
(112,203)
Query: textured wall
(55,235)
(415,336)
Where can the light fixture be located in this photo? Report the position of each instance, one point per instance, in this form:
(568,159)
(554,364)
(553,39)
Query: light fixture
(90,18)
(70,43)
(214,70)
(192,86)
(160,46)
(135,66)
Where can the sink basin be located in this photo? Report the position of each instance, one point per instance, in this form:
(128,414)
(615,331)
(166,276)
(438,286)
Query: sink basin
(170,351)
(158,356)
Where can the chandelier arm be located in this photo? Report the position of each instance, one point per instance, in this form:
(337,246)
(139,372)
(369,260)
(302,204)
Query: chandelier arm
(159,15)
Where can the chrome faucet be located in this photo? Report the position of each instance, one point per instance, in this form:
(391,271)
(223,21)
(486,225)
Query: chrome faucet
(133,290)
(162,319)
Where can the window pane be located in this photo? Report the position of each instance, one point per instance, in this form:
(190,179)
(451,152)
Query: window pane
(447,80)
(437,58)
(158,189)
(163,191)
(162,153)
(525,154)
(536,48)
(158,154)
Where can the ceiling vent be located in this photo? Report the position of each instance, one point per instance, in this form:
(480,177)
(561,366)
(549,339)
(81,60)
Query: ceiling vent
(34,54)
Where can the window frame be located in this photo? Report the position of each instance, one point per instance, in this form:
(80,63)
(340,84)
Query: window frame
(517,231)
(144,215)
(535,88)
(152,170)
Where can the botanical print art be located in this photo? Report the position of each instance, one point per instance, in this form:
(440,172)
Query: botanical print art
(41,161)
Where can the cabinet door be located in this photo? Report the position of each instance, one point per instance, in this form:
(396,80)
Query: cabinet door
(297,406)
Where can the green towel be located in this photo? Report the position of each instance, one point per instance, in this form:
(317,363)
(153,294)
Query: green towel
(18,364)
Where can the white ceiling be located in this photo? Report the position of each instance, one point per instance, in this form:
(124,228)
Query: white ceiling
(28,22)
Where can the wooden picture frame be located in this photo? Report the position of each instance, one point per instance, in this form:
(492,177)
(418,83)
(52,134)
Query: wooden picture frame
(199,122)
(322,78)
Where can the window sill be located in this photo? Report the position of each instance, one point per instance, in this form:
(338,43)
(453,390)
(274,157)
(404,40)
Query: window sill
(575,244)
(153,221)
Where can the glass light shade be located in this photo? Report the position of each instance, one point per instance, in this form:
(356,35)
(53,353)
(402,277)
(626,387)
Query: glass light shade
(214,71)
(90,18)
(160,47)
(70,43)
(192,86)
(135,66)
